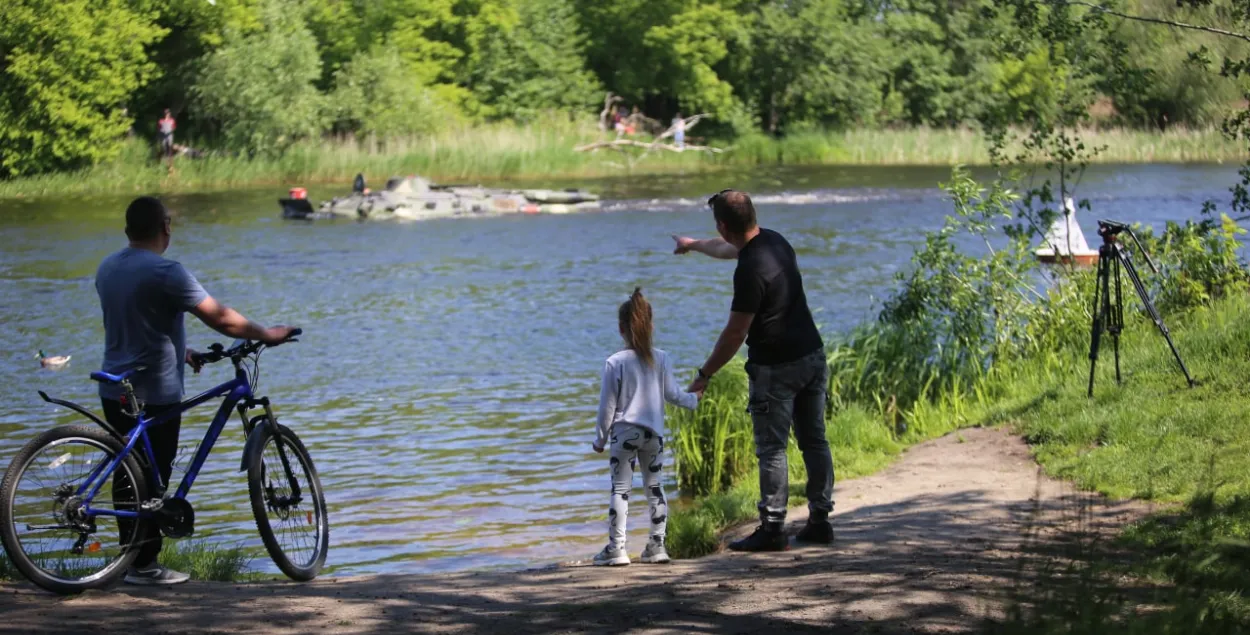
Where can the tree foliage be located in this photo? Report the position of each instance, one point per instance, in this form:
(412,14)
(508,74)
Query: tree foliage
(529,57)
(259,87)
(67,71)
(378,93)
(252,75)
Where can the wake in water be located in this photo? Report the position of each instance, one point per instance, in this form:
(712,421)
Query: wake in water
(808,197)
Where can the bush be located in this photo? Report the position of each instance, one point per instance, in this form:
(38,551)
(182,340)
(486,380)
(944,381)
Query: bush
(260,87)
(376,93)
(1199,262)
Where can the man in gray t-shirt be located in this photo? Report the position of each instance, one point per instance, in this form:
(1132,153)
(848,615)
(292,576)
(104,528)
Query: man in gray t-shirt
(143,297)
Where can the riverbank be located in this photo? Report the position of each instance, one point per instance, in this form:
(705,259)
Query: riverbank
(544,154)
(1152,439)
(934,543)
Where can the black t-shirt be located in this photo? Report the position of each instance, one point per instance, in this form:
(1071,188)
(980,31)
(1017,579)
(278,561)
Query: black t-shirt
(767,283)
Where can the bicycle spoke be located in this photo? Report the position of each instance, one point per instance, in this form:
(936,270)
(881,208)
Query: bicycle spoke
(299,536)
(44,500)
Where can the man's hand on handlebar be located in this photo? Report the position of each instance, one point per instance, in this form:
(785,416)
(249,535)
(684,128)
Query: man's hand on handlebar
(195,360)
(276,335)
(273,337)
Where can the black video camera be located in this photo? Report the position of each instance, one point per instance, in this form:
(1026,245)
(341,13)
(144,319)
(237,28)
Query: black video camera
(1108,228)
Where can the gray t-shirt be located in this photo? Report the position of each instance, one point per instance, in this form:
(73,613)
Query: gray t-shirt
(143,297)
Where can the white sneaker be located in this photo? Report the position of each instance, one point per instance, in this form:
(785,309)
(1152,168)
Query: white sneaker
(655,553)
(154,575)
(611,557)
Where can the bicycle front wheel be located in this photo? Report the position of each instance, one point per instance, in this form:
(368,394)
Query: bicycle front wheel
(288,503)
(44,531)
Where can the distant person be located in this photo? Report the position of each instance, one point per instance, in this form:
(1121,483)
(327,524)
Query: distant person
(358,185)
(785,363)
(166,126)
(635,119)
(679,131)
(143,297)
(636,383)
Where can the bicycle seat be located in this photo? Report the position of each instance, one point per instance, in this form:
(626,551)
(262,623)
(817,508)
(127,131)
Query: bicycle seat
(109,378)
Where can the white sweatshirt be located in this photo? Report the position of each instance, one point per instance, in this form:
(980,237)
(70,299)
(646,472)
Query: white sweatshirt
(633,392)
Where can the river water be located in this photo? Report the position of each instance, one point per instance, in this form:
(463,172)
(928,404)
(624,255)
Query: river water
(447,381)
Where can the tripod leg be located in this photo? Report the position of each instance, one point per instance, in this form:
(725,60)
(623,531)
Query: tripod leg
(1099,315)
(1116,322)
(1154,315)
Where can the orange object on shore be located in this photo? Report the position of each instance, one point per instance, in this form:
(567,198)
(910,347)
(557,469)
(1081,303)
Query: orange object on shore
(299,193)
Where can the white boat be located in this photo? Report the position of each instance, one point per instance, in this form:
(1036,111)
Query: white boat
(1064,241)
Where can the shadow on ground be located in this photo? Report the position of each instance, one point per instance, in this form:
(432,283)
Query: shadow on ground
(936,543)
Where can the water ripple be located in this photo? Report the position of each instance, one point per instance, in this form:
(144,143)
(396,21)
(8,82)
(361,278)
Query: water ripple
(447,382)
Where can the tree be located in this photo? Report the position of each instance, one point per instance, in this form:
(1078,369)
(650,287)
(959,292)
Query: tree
(259,87)
(528,58)
(686,52)
(378,93)
(68,68)
(193,28)
(1152,77)
(615,50)
(813,65)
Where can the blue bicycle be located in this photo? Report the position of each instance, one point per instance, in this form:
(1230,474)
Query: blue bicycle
(77,502)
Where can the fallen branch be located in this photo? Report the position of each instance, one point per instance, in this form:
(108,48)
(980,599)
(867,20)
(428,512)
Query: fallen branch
(689,121)
(621,143)
(1141,18)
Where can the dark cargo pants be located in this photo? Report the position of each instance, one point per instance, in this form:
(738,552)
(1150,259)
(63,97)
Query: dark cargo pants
(781,396)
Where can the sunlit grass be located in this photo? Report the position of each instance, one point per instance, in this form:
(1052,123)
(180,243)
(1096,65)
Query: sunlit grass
(1152,438)
(545,150)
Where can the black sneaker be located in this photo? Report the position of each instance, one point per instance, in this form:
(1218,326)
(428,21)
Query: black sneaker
(819,532)
(763,539)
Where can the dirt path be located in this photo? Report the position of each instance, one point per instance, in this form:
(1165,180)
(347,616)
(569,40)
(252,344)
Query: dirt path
(929,545)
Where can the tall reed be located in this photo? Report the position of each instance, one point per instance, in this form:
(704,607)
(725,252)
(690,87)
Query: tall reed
(712,445)
(545,150)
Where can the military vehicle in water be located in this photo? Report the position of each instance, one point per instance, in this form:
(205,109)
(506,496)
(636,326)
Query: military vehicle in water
(415,198)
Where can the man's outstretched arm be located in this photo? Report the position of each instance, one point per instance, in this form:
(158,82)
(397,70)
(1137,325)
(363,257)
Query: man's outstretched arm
(231,323)
(714,247)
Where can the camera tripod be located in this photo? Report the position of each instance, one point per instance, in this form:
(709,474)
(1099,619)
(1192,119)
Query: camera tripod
(1109,308)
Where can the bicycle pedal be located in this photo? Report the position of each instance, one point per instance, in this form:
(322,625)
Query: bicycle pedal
(152,505)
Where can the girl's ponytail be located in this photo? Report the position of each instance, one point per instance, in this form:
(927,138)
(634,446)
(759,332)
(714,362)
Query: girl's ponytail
(635,322)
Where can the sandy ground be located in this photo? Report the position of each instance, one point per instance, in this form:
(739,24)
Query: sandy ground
(933,544)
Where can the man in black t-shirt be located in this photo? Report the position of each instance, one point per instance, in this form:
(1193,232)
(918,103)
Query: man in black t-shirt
(785,363)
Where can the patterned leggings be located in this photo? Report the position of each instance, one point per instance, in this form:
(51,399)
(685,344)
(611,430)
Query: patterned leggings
(630,442)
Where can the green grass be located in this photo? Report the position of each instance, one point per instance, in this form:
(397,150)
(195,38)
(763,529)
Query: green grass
(210,562)
(202,560)
(492,153)
(1183,570)
(1186,569)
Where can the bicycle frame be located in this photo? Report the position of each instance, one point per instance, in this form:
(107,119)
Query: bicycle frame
(234,391)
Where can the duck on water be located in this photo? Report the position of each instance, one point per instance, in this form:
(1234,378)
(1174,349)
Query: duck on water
(416,198)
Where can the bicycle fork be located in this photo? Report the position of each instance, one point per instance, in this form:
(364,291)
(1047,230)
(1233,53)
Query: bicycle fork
(277,504)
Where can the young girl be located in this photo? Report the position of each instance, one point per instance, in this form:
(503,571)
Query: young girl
(636,383)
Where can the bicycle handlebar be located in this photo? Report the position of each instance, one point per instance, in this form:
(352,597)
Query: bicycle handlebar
(217,352)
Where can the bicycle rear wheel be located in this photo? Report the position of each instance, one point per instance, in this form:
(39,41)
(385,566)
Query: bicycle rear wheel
(288,503)
(45,535)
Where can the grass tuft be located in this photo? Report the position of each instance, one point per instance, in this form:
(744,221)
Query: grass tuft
(202,560)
